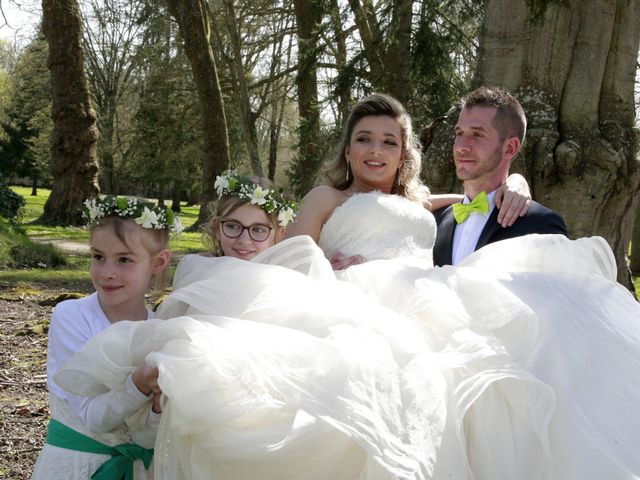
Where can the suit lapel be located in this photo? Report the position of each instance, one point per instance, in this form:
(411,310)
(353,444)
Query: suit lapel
(490,228)
(443,249)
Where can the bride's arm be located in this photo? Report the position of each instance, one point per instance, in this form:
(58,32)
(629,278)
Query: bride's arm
(442,200)
(513,199)
(317,206)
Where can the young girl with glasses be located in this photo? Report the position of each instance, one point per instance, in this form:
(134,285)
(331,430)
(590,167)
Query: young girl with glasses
(248,218)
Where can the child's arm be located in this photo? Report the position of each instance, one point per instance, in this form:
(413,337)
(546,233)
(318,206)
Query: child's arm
(71,328)
(103,413)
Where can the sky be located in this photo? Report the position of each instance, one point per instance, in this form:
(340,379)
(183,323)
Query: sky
(21,20)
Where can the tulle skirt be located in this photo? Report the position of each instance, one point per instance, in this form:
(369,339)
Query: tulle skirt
(521,362)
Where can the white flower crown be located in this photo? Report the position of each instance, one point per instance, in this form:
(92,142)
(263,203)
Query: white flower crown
(269,200)
(144,214)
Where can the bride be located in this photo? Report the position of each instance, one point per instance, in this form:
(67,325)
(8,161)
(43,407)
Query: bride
(521,362)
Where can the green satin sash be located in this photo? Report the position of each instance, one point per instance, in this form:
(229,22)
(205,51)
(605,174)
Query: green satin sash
(118,467)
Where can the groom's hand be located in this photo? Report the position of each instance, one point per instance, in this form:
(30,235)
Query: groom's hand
(340,262)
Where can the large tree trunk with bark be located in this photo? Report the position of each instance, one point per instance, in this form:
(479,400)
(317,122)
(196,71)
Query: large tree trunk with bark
(73,149)
(308,15)
(572,65)
(193,20)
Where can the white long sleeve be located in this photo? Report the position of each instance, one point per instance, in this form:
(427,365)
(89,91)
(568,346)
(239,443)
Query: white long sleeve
(102,413)
(73,324)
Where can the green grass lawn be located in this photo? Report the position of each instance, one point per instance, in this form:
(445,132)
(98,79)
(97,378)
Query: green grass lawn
(77,269)
(187,242)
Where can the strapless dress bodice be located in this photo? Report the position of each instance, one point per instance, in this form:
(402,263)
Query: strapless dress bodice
(379,226)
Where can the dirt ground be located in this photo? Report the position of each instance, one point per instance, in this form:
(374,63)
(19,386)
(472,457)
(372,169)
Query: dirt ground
(24,320)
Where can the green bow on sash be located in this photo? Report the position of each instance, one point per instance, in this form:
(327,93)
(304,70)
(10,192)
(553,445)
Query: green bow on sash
(480,204)
(118,467)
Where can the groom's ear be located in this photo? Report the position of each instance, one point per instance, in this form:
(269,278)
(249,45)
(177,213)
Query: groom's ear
(510,148)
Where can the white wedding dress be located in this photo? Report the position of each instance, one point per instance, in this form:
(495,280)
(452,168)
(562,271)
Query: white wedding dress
(523,362)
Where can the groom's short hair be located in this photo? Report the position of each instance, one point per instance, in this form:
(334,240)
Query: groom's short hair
(510,120)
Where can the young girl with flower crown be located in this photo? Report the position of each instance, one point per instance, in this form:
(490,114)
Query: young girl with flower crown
(248,217)
(109,434)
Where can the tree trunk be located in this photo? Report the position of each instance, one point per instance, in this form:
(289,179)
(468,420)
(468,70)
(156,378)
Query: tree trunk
(343,85)
(175,197)
(275,123)
(308,16)
(193,20)
(388,55)
(572,66)
(398,53)
(279,97)
(73,149)
(634,265)
(106,156)
(241,90)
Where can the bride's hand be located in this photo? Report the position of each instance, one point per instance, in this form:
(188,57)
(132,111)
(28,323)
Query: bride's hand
(513,199)
(340,262)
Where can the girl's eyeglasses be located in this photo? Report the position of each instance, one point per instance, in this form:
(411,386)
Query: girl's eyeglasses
(257,232)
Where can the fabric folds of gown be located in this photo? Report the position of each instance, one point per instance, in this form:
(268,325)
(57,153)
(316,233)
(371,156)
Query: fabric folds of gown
(521,362)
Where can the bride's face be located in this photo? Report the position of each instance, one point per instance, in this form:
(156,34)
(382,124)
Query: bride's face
(375,153)
(245,232)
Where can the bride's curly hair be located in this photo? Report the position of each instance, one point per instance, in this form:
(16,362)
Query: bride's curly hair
(407,182)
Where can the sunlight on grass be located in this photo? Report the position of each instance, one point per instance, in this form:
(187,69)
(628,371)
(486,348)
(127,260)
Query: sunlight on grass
(51,276)
(188,242)
(77,272)
(34,205)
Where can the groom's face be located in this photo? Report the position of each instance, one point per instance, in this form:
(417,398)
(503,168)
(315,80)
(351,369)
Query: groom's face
(477,151)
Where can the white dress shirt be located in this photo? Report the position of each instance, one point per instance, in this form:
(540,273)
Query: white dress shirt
(467,233)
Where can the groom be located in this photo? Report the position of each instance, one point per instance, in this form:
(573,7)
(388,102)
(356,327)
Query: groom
(489,133)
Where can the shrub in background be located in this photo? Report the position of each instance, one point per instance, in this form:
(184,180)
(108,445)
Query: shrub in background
(11,204)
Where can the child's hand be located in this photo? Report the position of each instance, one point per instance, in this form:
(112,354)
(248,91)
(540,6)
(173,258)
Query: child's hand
(146,380)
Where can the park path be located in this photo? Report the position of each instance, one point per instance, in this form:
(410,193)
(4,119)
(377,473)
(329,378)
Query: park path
(65,246)
(71,247)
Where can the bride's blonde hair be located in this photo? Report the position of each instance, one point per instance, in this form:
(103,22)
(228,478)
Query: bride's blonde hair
(407,183)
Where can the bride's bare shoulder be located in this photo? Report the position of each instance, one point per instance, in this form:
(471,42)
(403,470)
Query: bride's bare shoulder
(317,206)
(325,196)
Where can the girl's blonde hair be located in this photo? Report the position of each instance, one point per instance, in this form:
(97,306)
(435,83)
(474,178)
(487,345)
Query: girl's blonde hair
(224,206)
(153,240)
(407,183)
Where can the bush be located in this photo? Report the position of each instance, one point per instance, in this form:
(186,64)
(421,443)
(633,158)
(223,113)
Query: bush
(36,255)
(11,204)
(18,251)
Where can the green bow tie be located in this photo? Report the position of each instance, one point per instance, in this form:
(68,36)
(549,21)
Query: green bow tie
(480,204)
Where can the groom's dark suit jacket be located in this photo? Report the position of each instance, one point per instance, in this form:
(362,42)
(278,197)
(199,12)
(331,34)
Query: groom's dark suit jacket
(539,219)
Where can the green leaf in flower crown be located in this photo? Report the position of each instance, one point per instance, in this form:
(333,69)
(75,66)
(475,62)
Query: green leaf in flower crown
(232,183)
(121,203)
(170,216)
